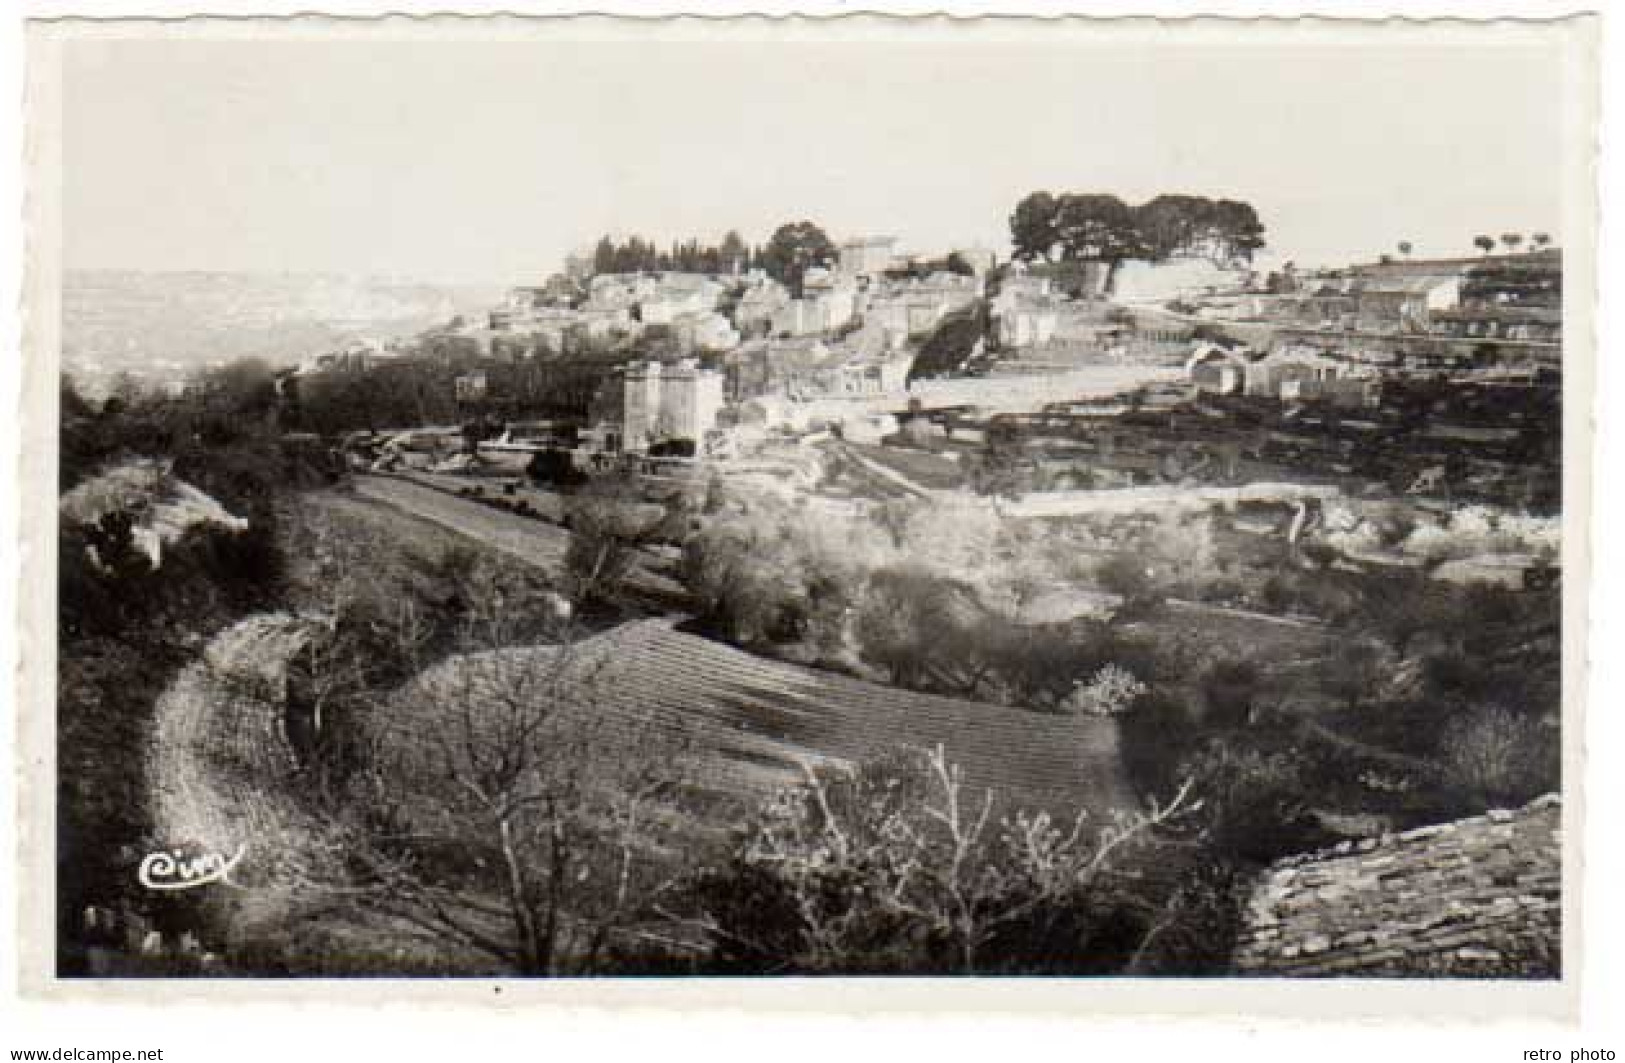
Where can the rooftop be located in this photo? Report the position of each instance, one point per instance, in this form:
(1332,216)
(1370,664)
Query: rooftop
(1476,897)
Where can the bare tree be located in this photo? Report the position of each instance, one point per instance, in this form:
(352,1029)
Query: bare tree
(913,858)
(508,813)
(607,528)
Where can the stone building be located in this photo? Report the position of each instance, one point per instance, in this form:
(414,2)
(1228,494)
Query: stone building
(660,404)
(706,331)
(867,256)
(677,295)
(809,368)
(1405,304)
(762,298)
(1288,372)
(829,302)
(906,308)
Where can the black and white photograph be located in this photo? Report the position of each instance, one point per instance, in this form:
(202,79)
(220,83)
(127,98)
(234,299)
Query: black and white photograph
(862,498)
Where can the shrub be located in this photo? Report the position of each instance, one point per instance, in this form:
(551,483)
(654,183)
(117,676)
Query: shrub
(1255,799)
(1354,672)
(1194,933)
(1493,755)
(1156,739)
(1109,692)
(904,611)
(1454,678)
(604,536)
(755,582)
(1229,690)
(1130,579)
(555,467)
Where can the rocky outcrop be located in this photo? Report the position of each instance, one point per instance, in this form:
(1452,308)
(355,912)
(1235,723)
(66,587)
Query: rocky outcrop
(161,509)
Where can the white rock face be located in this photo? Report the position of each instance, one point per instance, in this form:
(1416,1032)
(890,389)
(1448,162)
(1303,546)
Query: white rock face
(163,508)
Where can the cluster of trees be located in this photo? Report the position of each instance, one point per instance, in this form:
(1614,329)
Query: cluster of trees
(407,393)
(419,390)
(1093,226)
(767,580)
(637,255)
(920,630)
(1511,241)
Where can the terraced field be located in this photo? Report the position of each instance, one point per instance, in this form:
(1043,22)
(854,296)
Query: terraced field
(930,471)
(755,721)
(223,775)
(535,542)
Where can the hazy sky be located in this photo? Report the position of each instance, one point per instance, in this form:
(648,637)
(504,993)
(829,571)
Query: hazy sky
(488,161)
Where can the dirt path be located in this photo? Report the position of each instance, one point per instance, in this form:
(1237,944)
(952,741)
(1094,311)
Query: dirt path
(221,771)
(1246,614)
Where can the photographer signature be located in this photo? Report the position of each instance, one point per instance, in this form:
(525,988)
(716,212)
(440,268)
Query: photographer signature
(174,869)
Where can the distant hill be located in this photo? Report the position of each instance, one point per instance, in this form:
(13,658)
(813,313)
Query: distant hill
(164,326)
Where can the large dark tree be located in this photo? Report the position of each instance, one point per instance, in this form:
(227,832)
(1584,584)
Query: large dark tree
(1101,227)
(637,255)
(1169,224)
(1033,227)
(733,254)
(603,256)
(1240,231)
(1096,227)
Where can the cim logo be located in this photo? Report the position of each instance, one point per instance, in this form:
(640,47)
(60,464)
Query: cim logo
(176,869)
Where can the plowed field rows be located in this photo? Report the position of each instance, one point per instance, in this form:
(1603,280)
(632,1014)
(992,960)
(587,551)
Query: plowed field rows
(756,720)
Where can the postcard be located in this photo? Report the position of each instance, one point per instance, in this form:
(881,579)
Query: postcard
(593,506)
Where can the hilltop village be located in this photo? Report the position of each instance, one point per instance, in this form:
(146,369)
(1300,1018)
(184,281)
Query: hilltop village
(875,345)
(1225,593)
